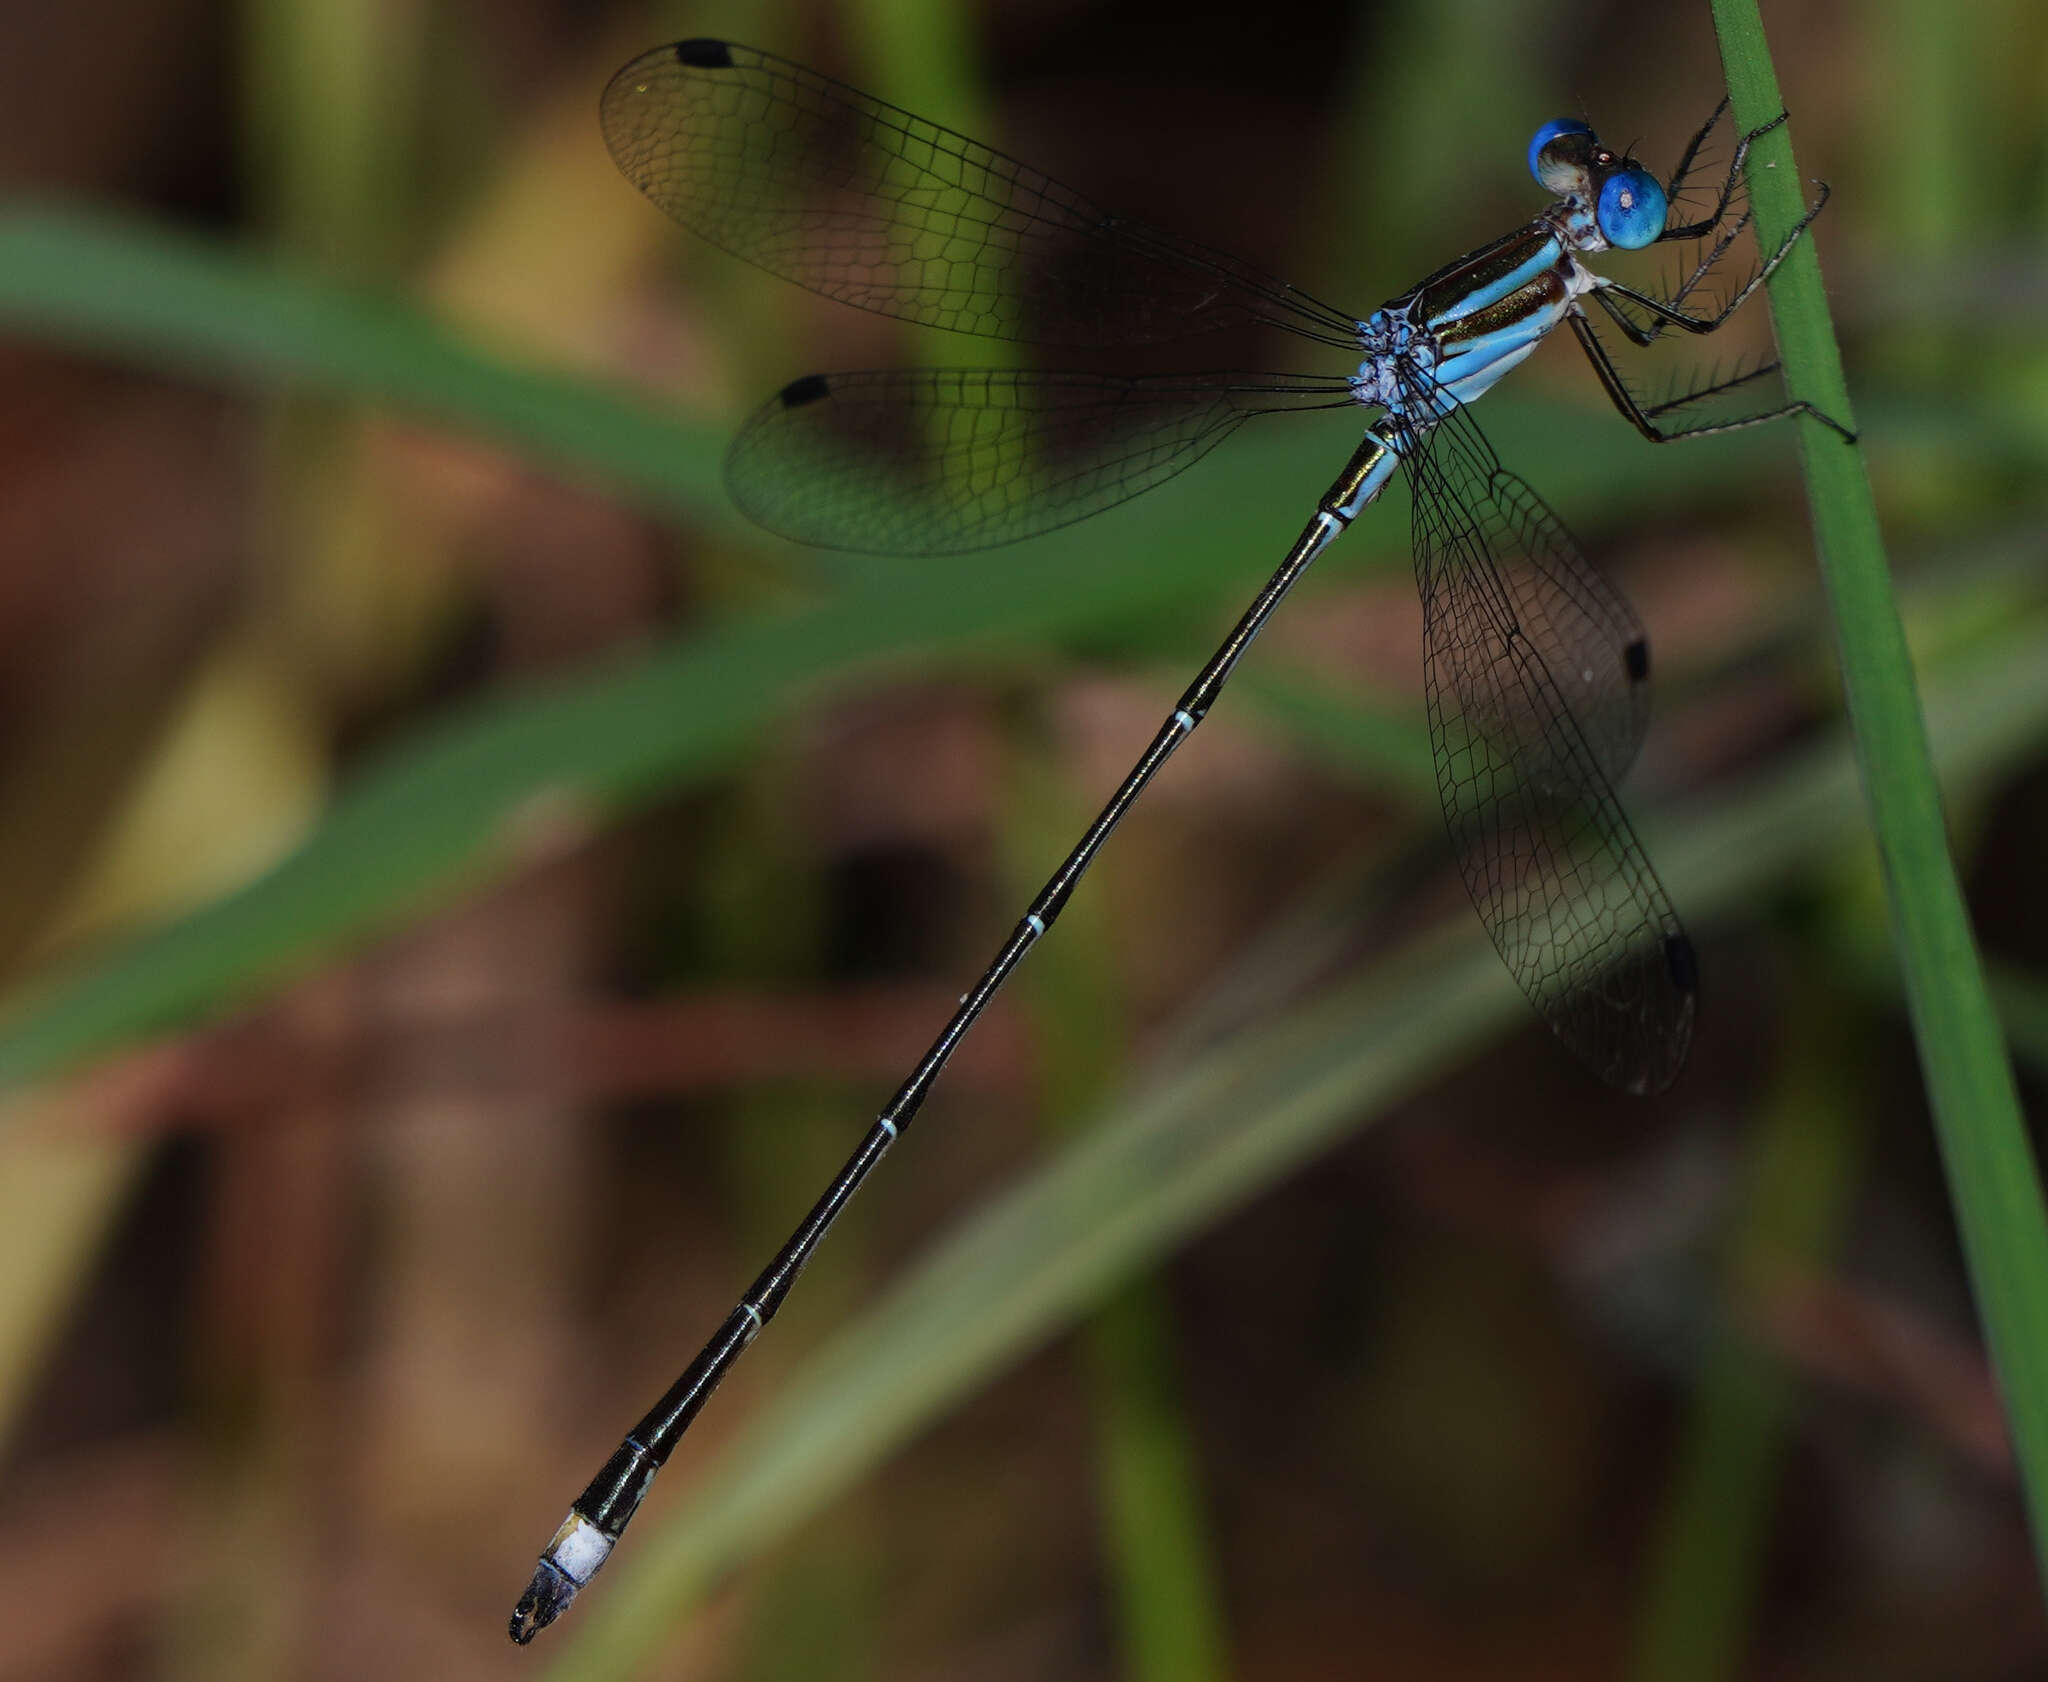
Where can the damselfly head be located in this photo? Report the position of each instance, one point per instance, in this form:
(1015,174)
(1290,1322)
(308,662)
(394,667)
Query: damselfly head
(1628,206)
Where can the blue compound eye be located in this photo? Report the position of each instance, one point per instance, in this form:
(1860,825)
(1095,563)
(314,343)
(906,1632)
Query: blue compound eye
(1631,212)
(1543,137)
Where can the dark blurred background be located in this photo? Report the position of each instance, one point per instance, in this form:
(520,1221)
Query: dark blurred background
(358,442)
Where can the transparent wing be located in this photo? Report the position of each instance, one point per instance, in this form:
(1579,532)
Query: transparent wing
(939,461)
(1534,707)
(1583,629)
(857,200)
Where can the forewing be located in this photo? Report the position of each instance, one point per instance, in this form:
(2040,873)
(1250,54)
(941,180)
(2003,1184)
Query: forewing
(1555,871)
(863,202)
(939,461)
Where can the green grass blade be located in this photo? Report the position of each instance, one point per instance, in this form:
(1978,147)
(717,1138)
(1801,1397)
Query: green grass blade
(1993,1180)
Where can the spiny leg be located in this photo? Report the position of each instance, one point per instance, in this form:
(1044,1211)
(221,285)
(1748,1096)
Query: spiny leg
(1729,182)
(1683,172)
(1726,237)
(1704,267)
(1644,418)
(1666,313)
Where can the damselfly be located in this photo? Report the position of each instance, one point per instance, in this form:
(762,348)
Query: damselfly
(1535,667)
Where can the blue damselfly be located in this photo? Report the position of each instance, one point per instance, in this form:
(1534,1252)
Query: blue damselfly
(1536,668)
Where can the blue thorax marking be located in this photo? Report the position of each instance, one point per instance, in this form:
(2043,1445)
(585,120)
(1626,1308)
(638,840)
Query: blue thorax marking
(1404,355)
(1544,257)
(1471,370)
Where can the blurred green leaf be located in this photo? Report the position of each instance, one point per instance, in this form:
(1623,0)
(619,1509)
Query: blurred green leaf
(113,286)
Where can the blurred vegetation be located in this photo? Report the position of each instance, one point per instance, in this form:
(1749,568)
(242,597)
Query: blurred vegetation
(465,890)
